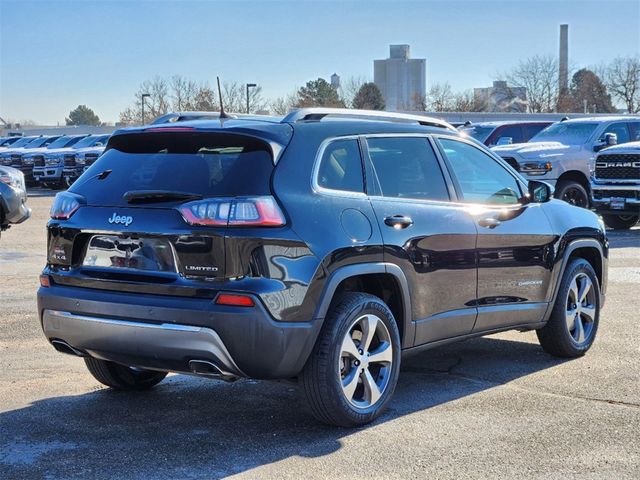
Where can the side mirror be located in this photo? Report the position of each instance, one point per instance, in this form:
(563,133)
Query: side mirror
(539,192)
(505,141)
(608,140)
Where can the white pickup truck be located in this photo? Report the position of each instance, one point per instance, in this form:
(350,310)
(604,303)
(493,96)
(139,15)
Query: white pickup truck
(563,154)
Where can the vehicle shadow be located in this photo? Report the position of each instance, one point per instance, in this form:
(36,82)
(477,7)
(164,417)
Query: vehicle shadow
(41,192)
(195,428)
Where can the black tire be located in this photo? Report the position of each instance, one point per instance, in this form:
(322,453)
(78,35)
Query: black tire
(620,222)
(573,193)
(321,379)
(556,336)
(120,377)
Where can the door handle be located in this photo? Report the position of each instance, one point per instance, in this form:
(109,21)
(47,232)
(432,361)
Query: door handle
(398,221)
(489,222)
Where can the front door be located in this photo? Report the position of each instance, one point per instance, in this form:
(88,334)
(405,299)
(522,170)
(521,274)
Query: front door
(429,237)
(515,239)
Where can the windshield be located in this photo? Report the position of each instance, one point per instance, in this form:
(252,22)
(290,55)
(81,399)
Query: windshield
(91,140)
(566,133)
(22,142)
(206,164)
(62,142)
(478,132)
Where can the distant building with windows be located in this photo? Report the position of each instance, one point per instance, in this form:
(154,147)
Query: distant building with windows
(401,79)
(501,98)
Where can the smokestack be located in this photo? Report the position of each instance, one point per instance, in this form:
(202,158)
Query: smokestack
(563,63)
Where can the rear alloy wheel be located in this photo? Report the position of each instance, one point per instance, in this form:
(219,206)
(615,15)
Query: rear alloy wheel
(121,377)
(620,222)
(353,370)
(573,323)
(572,193)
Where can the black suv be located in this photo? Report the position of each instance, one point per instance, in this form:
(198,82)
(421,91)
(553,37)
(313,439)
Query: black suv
(319,246)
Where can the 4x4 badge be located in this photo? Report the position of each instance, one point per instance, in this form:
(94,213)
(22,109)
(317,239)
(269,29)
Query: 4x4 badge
(123,220)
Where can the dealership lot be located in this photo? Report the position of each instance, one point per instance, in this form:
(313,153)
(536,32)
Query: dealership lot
(490,407)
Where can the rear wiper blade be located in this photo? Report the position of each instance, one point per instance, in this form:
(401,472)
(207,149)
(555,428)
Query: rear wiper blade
(150,196)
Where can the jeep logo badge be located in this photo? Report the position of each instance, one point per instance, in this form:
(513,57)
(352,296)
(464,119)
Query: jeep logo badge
(122,220)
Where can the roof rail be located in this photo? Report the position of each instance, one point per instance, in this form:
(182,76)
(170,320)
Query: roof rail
(318,113)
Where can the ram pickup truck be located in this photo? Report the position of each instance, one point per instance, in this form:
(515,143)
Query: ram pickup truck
(615,185)
(77,161)
(564,153)
(38,158)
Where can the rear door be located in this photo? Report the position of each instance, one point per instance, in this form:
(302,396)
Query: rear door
(515,239)
(430,238)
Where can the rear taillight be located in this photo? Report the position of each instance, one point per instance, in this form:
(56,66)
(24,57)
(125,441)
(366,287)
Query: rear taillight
(64,205)
(246,211)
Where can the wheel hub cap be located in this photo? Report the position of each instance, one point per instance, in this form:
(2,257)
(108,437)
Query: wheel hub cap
(581,308)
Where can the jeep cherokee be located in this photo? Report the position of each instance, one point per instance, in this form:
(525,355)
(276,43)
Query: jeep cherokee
(319,246)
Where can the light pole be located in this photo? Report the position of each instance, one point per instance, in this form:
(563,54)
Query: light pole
(143,96)
(249,85)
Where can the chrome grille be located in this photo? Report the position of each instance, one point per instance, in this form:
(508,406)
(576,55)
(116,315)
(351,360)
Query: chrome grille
(69,160)
(38,161)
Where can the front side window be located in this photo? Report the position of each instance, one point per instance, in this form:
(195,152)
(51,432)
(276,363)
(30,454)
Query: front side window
(341,167)
(508,135)
(621,131)
(407,167)
(480,178)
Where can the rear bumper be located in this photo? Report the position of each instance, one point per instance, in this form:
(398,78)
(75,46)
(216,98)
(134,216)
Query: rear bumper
(166,333)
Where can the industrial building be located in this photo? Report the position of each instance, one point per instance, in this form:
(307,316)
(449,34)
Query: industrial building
(401,79)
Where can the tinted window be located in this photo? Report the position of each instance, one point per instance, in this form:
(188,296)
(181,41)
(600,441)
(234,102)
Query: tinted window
(481,179)
(341,167)
(407,168)
(634,130)
(203,163)
(514,132)
(621,131)
(531,130)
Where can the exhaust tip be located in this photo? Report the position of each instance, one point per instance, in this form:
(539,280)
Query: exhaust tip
(206,368)
(64,347)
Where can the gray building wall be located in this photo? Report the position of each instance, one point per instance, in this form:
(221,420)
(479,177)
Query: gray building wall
(400,78)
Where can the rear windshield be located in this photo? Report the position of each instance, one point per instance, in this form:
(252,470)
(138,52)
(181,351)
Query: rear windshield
(91,140)
(207,164)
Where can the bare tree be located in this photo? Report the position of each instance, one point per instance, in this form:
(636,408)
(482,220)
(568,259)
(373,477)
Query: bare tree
(350,88)
(183,93)
(440,98)
(622,77)
(158,103)
(234,96)
(539,75)
(283,105)
(205,99)
(467,101)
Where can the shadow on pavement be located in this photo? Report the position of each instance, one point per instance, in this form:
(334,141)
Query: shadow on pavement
(192,428)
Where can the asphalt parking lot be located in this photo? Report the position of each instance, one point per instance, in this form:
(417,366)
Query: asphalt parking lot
(496,407)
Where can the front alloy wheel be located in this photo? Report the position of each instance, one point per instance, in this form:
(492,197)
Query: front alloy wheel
(573,323)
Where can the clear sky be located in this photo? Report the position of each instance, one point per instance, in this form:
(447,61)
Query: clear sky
(55,55)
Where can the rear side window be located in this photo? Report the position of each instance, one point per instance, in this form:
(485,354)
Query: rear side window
(341,167)
(507,135)
(407,167)
(207,164)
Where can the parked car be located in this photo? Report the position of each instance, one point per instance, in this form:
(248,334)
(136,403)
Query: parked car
(6,153)
(13,198)
(6,142)
(38,157)
(82,157)
(184,116)
(349,242)
(503,133)
(49,166)
(563,153)
(14,155)
(615,185)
